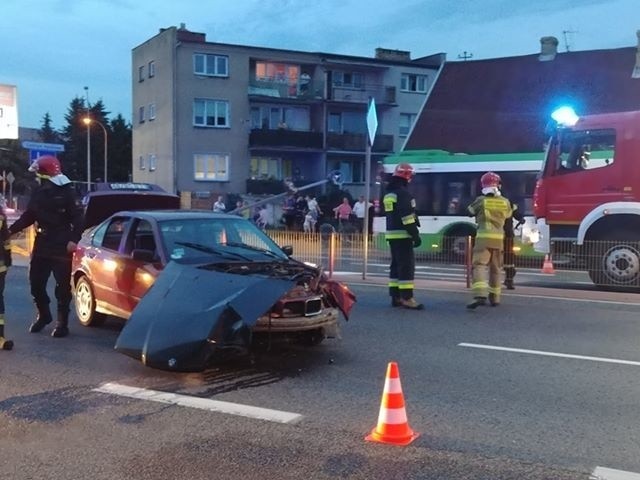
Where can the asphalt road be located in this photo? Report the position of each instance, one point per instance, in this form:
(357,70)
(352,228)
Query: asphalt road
(560,403)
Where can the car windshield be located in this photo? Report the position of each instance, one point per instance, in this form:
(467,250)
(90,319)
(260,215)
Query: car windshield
(234,238)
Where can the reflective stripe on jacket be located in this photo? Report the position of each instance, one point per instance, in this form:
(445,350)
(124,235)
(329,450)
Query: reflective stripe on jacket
(399,208)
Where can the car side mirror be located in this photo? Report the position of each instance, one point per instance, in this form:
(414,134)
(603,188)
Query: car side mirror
(288,250)
(141,255)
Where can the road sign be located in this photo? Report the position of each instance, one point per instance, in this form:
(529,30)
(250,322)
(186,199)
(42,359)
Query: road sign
(10,177)
(33,154)
(372,120)
(48,147)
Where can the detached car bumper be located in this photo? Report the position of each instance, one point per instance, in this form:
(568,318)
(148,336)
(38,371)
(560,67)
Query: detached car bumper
(327,320)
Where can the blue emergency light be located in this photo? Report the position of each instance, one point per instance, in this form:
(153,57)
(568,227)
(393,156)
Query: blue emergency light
(565,116)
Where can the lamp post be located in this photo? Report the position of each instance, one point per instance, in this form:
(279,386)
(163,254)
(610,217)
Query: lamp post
(86,89)
(88,121)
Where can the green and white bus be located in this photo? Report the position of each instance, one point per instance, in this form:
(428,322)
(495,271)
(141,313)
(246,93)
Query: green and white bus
(446,183)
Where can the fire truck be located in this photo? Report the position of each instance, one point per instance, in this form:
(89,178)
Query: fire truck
(587,195)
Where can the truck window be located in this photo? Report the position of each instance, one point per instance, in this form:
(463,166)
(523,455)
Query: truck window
(584,150)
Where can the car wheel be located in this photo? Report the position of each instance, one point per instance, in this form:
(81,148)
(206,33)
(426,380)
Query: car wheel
(312,337)
(85,303)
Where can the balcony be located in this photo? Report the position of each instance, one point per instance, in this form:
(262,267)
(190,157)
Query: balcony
(356,142)
(284,90)
(284,138)
(385,94)
(265,187)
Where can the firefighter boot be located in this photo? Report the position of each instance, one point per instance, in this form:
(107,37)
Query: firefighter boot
(477,301)
(44,318)
(395,302)
(411,304)
(493,300)
(62,325)
(4,343)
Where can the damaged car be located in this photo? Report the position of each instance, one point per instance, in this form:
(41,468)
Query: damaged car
(192,284)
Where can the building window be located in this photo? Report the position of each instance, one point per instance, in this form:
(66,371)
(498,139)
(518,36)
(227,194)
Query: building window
(152,69)
(346,122)
(273,117)
(280,73)
(211,166)
(211,65)
(405,123)
(152,111)
(210,113)
(141,73)
(413,83)
(269,168)
(141,163)
(352,170)
(141,114)
(152,162)
(348,79)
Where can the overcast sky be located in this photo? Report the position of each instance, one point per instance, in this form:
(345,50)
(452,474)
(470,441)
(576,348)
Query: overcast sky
(52,49)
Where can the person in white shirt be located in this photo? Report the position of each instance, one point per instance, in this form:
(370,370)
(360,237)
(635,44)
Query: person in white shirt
(219,206)
(359,209)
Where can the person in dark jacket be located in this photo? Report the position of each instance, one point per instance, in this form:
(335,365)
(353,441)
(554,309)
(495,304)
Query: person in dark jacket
(5,263)
(57,218)
(403,236)
(509,255)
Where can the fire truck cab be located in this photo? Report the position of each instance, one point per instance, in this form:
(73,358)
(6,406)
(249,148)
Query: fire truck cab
(587,196)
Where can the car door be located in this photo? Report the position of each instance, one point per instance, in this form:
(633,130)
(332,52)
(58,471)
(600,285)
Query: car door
(135,277)
(101,257)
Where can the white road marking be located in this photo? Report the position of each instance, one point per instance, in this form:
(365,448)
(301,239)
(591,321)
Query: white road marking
(200,403)
(550,354)
(602,473)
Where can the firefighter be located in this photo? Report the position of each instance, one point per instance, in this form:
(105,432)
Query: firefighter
(509,257)
(5,263)
(403,236)
(54,211)
(491,211)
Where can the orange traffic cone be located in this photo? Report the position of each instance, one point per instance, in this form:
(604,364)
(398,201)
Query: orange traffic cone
(393,426)
(547,266)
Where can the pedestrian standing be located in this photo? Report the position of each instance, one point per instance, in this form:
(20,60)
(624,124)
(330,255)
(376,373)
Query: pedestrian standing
(54,211)
(491,211)
(343,212)
(359,209)
(403,236)
(219,206)
(509,257)
(5,263)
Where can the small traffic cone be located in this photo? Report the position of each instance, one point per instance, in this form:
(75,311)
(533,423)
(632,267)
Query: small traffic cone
(393,426)
(547,266)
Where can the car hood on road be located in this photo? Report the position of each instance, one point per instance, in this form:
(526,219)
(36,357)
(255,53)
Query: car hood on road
(192,312)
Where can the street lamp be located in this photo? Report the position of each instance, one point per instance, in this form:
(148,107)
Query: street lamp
(88,121)
(86,90)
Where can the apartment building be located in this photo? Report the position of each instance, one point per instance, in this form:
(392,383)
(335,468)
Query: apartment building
(214,119)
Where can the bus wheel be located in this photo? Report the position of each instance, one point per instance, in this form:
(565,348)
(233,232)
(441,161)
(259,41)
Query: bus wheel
(616,262)
(455,245)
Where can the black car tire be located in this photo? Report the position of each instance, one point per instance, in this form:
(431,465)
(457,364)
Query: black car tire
(85,303)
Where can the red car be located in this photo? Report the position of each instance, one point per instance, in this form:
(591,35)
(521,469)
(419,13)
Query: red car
(223,256)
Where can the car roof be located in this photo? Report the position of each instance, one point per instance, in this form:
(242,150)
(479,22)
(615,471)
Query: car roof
(162,215)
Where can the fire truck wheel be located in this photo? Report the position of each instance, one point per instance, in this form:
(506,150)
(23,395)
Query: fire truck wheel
(616,262)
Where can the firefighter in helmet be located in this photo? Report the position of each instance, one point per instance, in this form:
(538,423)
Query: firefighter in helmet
(53,210)
(5,263)
(403,236)
(491,211)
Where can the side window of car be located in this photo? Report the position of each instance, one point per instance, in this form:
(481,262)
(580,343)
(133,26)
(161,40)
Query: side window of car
(98,235)
(114,233)
(142,238)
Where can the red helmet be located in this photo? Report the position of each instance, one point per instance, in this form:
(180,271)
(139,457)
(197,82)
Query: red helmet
(490,179)
(404,170)
(46,165)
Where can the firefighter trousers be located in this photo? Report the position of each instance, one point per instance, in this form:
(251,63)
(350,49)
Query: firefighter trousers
(487,271)
(40,268)
(402,268)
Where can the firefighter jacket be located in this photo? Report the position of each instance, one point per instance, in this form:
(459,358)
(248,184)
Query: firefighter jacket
(399,208)
(57,218)
(5,259)
(508,224)
(491,213)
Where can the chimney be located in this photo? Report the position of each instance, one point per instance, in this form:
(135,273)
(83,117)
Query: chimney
(396,55)
(548,48)
(636,68)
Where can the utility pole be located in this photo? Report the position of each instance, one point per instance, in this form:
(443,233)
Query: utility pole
(465,56)
(86,89)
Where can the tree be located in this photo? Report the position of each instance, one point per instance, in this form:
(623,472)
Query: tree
(120,149)
(47,133)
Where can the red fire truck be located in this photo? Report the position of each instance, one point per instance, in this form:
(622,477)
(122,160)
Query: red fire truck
(587,196)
